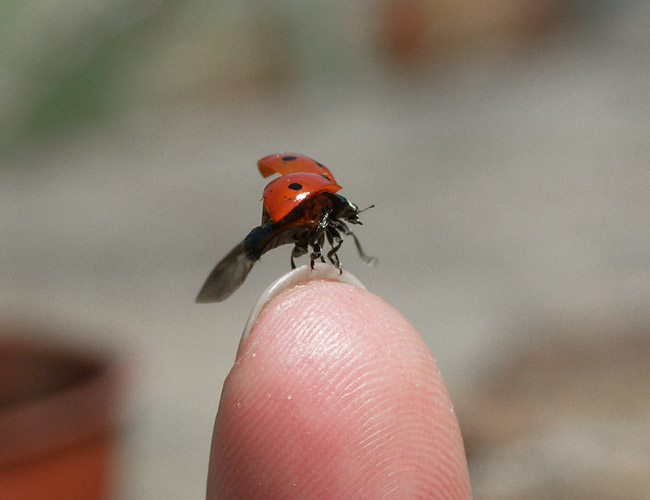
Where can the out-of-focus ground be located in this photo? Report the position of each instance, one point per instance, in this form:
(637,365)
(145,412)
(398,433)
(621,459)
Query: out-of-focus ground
(512,193)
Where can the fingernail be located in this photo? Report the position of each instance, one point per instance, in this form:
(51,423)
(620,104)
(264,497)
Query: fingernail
(295,277)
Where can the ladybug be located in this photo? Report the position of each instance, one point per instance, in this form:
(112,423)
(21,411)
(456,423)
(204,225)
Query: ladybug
(300,207)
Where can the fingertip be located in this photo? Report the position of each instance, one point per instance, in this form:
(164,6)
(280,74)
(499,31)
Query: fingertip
(335,395)
(295,277)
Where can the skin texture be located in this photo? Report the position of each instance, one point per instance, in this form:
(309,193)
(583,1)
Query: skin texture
(335,396)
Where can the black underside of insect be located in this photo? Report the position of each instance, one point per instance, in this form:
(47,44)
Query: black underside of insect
(308,226)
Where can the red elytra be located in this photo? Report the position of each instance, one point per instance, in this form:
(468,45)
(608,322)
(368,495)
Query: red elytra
(285,193)
(289,163)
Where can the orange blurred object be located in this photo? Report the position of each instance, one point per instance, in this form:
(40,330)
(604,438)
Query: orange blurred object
(412,30)
(56,421)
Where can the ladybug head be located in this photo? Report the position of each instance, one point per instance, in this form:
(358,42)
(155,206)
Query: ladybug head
(346,210)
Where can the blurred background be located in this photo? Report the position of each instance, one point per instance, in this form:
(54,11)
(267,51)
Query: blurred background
(505,145)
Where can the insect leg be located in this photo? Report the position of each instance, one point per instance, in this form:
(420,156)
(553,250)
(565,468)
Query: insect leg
(321,244)
(366,258)
(317,239)
(316,253)
(335,240)
(297,251)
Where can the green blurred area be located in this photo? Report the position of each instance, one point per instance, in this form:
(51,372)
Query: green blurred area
(59,67)
(71,63)
(77,62)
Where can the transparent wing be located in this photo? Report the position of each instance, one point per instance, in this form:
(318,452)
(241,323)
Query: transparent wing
(232,270)
(226,277)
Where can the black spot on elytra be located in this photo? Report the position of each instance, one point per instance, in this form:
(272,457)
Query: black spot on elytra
(295,186)
(289,158)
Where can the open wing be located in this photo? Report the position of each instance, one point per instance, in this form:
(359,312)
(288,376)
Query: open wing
(227,276)
(232,270)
